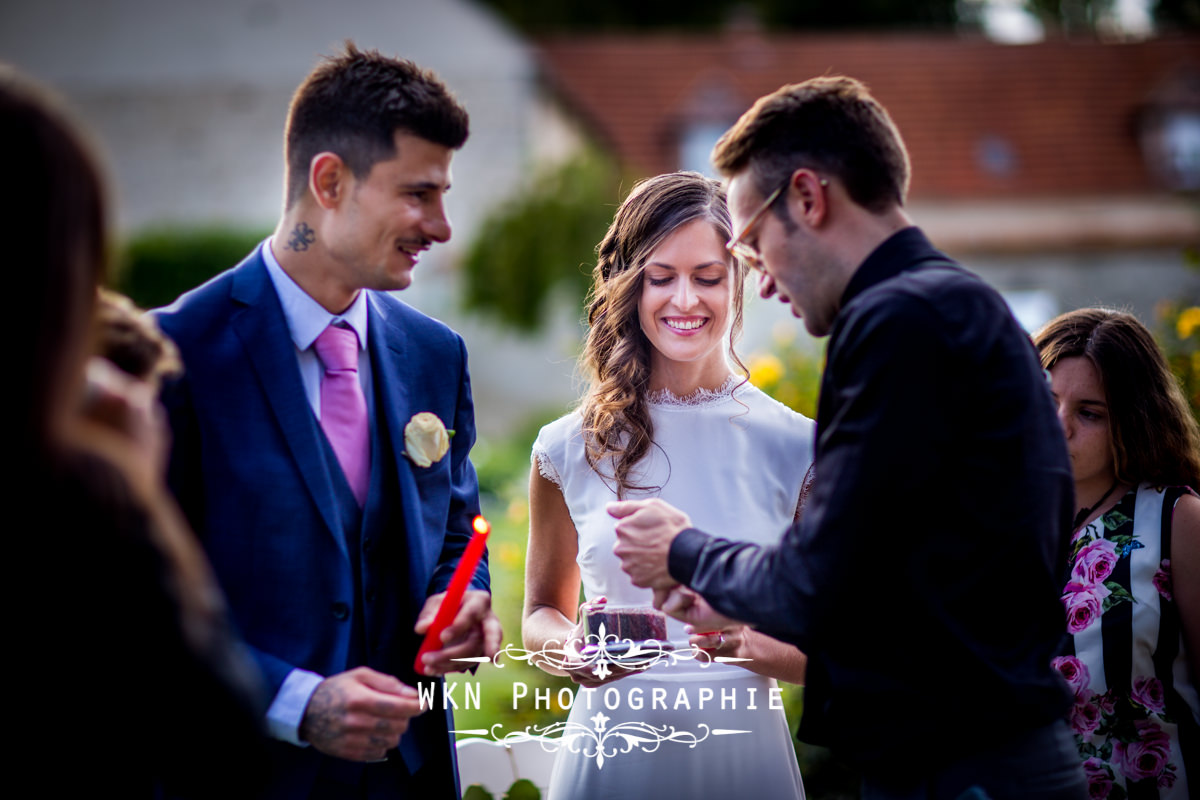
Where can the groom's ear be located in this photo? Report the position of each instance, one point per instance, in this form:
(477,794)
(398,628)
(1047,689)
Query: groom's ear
(328,179)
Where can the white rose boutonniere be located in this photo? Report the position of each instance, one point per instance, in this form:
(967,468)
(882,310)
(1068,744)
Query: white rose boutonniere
(426,439)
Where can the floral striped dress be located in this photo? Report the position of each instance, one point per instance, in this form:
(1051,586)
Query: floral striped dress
(1136,716)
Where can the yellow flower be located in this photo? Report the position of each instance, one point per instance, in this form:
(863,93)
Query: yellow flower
(765,370)
(1187,322)
(518,511)
(509,555)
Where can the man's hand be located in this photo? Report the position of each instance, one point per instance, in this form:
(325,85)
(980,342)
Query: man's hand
(686,606)
(474,632)
(129,407)
(644,535)
(359,715)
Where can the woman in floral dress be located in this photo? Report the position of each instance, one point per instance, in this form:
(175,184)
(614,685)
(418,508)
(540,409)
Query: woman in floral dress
(1133,595)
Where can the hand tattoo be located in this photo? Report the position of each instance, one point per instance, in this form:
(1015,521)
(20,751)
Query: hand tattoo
(302,236)
(320,722)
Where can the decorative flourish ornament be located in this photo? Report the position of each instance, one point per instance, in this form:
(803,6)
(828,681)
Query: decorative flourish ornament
(602,650)
(603,743)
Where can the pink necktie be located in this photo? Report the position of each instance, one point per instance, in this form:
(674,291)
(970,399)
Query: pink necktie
(343,407)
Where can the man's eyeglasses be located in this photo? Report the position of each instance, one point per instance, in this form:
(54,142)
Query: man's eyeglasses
(740,249)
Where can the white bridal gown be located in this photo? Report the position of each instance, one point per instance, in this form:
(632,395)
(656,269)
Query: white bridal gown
(734,460)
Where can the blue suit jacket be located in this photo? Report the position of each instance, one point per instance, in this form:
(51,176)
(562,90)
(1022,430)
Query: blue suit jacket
(252,471)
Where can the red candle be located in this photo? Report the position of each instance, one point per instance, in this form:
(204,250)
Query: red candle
(458,586)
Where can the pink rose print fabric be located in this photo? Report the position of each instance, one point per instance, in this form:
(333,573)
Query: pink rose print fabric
(1126,647)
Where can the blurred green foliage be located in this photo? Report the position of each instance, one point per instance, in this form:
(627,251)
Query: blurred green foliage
(156,266)
(542,239)
(1074,17)
(551,16)
(503,469)
(523,790)
(1066,16)
(1178,333)
(520,790)
(1177,14)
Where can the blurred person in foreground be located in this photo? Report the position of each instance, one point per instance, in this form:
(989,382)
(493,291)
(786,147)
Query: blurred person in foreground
(139,684)
(923,579)
(131,340)
(312,439)
(1133,597)
(125,377)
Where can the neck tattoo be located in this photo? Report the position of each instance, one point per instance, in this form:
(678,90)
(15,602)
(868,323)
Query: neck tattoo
(301,237)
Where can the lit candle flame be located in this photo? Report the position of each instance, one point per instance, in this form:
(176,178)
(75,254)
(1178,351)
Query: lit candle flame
(480,525)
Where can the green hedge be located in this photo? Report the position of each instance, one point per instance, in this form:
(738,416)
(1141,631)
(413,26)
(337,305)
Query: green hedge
(539,240)
(156,266)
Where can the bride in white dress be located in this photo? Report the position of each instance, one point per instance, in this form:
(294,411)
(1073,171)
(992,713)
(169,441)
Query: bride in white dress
(665,416)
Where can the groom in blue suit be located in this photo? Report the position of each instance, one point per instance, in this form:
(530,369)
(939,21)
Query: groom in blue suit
(334,516)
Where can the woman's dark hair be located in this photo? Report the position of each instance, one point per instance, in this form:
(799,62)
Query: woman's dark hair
(1155,438)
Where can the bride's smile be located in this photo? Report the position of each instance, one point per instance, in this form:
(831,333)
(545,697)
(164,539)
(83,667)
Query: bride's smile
(685,325)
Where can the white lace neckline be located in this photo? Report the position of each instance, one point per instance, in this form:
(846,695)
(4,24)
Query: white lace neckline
(701,397)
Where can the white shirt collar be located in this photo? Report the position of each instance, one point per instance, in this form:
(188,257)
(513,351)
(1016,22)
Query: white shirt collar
(306,318)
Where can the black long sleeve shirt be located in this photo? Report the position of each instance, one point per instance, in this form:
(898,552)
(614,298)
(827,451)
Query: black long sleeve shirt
(923,581)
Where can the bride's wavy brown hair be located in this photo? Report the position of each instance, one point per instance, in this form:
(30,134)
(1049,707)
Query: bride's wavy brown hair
(617,428)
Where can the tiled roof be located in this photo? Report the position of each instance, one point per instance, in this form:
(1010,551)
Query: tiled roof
(980,119)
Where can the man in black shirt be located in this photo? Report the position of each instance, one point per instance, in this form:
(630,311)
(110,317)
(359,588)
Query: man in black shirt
(923,581)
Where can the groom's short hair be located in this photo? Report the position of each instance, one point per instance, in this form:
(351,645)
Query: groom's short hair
(831,125)
(353,104)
